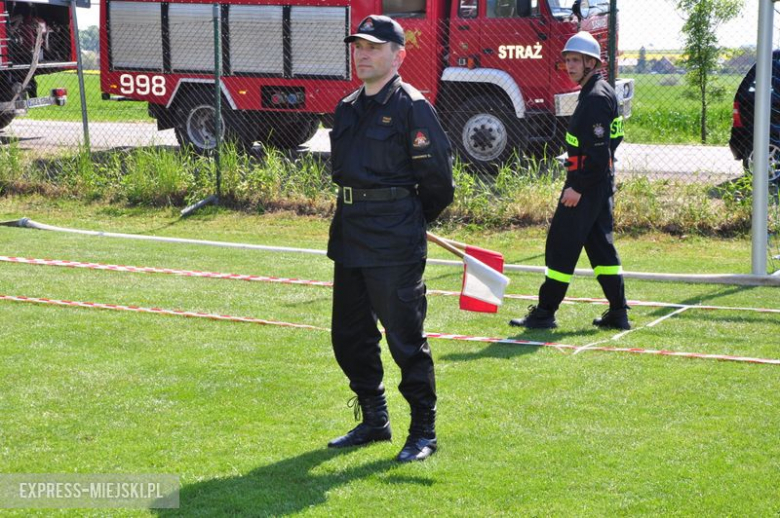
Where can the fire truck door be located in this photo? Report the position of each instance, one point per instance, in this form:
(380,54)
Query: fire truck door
(513,38)
(464,34)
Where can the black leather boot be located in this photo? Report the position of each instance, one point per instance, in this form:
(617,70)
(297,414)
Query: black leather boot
(614,319)
(537,318)
(421,442)
(375,426)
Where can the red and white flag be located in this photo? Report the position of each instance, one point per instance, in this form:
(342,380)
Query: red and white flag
(483,280)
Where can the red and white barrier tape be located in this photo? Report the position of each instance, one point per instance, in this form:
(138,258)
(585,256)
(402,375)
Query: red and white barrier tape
(633,350)
(170,271)
(442,336)
(158,311)
(286,280)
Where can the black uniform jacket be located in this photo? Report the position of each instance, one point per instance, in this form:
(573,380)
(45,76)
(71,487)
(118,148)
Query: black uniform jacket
(595,131)
(392,140)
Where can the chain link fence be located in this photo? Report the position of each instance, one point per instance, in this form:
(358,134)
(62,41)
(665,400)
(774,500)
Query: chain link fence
(492,68)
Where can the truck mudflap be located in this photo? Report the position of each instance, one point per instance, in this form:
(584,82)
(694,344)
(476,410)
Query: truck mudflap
(624,89)
(57,97)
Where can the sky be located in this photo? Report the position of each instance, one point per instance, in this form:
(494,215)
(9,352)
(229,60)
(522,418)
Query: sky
(658,25)
(654,25)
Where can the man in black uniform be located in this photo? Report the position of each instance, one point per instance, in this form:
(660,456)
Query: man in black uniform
(584,213)
(392,163)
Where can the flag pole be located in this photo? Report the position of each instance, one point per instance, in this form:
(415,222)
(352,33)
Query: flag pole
(445,244)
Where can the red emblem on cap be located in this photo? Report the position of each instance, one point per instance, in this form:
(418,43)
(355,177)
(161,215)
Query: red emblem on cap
(368,25)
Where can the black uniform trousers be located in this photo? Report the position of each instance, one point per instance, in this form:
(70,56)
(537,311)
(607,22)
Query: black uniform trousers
(589,224)
(396,296)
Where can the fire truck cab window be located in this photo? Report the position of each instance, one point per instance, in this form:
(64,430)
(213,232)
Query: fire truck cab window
(404,8)
(467,9)
(512,8)
(190,50)
(136,35)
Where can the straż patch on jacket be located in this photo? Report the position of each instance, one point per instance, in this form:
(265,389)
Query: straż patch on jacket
(598,131)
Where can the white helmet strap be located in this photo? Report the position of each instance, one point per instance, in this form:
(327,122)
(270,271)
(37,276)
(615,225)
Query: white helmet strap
(586,70)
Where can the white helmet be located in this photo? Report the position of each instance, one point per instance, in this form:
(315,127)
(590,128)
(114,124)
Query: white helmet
(583,43)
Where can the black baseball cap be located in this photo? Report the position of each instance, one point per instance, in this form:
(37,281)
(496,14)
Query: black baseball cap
(378,29)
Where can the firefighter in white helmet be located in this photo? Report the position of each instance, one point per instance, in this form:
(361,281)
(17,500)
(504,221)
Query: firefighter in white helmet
(583,217)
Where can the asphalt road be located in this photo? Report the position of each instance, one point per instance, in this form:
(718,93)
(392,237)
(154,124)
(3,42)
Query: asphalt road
(657,161)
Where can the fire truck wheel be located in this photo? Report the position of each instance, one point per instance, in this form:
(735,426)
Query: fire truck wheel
(484,134)
(195,124)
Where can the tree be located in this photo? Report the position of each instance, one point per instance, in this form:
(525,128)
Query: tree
(90,38)
(641,63)
(700,57)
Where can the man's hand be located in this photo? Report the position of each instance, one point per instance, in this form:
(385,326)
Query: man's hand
(570,197)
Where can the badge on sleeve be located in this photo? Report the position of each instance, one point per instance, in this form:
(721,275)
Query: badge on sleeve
(598,130)
(420,138)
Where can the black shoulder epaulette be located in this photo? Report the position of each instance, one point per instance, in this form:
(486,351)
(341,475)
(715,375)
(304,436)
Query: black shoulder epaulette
(351,97)
(413,93)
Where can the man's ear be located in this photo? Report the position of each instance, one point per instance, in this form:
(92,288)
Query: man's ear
(399,57)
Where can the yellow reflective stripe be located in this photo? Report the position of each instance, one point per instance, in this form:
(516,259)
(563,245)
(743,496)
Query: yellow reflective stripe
(572,140)
(616,128)
(558,276)
(607,270)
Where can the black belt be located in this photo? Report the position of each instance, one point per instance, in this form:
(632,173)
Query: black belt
(348,194)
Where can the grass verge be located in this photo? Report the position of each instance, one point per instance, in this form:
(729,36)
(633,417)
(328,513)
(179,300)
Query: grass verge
(523,193)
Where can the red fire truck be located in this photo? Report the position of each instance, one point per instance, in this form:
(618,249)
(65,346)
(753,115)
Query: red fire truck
(492,68)
(36,37)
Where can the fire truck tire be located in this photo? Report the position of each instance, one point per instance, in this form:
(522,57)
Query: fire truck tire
(194,119)
(485,134)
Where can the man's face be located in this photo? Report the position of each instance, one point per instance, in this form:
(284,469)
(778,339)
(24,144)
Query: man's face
(375,62)
(575,65)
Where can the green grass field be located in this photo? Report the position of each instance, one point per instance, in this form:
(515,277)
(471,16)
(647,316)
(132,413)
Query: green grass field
(242,412)
(664,114)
